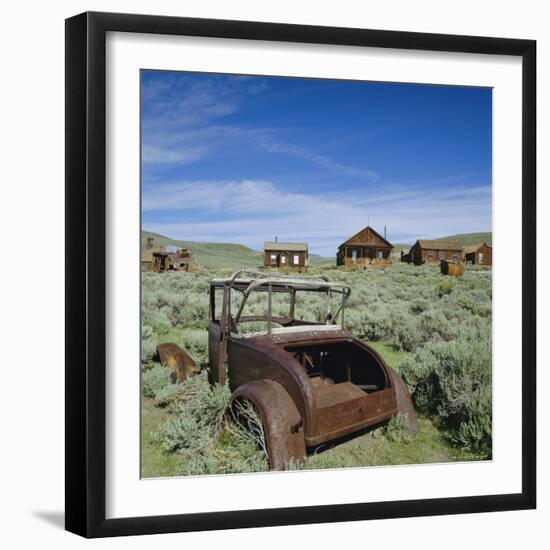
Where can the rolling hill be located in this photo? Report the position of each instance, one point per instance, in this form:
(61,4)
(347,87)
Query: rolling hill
(220,255)
(215,255)
(465,239)
(238,256)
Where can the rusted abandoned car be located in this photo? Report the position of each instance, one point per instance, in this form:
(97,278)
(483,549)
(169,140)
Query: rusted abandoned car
(310,381)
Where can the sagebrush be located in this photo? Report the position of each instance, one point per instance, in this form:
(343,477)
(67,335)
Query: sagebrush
(440,325)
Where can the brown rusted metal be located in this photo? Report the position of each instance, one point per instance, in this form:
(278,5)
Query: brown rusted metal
(404,402)
(173,357)
(316,375)
(281,421)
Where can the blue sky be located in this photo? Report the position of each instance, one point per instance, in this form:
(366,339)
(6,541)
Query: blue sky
(241,159)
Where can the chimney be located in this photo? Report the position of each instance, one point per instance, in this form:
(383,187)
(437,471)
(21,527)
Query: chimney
(276,238)
(149,242)
(384,232)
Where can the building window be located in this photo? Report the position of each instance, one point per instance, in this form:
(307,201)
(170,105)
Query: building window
(296,259)
(353,255)
(380,254)
(455,256)
(283,259)
(273,259)
(441,255)
(430,255)
(481,257)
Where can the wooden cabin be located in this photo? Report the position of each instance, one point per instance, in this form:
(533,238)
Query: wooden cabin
(478,254)
(279,255)
(367,247)
(433,251)
(182,260)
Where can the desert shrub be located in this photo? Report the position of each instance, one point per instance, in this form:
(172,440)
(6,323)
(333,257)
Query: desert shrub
(397,429)
(442,322)
(167,395)
(198,414)
(195,343)
(445,286)
(199,433)
(148,346)
(453,381)
(225,455)
(157,383)
(155,379)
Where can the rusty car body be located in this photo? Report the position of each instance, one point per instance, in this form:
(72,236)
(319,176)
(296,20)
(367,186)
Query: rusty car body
(311,382)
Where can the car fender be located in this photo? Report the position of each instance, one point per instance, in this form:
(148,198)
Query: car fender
(282,423)
(403,400)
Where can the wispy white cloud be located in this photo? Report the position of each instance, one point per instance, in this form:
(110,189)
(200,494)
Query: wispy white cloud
(180,118)
(183,113)
(251,211)
(152,154)
(320,160)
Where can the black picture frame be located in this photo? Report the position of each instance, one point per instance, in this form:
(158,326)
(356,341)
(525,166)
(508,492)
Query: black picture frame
(86,277)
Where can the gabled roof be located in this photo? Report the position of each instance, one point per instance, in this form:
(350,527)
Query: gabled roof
(284,247)
(475,247)
(354,239)
(437,244)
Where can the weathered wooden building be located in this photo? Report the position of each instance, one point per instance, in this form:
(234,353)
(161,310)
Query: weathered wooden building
(154,258)
(433,251)
(365,248)
(182,260)
(286,255)
(479,254)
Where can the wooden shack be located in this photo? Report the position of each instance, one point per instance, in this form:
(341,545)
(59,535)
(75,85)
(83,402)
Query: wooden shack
(280,255)
(161,262)
(478,254)
(182,260)
(433,251)
(453,268)
(154,258)
(367,247)
(149,253)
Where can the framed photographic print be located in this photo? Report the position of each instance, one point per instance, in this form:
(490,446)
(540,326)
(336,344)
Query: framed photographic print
(300,274)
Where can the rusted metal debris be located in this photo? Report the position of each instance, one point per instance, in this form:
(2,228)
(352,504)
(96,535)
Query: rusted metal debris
(181,364)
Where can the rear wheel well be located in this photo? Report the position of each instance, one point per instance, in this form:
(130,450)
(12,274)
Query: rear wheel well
(281,423)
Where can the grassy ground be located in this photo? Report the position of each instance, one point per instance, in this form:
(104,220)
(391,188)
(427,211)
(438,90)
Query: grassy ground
(433,329)
(392,356)
(155,462)
(376,447)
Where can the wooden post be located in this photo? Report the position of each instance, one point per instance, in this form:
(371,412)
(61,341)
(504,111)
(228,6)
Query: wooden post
(292,303)
(269,295)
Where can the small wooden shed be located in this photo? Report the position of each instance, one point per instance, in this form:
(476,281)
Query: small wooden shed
(366,247)
(281,255)
(433,251)
(479,254)
(454,268)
